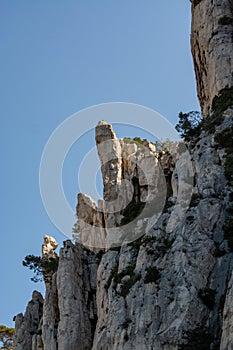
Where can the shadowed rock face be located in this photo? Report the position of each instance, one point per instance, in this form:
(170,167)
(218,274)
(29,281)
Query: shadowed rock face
(212,48)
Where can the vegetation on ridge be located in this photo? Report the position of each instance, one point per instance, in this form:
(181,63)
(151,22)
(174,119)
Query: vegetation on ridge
(197,339)
(6,337)
(152,275)
(118,278)
(191,124)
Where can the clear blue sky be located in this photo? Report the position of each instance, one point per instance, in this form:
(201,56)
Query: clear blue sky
(58,57)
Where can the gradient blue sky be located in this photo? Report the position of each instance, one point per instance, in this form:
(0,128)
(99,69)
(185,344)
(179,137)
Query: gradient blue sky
(58,57)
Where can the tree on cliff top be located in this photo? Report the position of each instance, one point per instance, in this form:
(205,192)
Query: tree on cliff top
(39,265)
(189,125)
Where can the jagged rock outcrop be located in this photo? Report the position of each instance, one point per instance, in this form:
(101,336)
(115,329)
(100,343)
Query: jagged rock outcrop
(212,47)
(159,291)
(75,323)
(27,326)
(109,150)
(154,270)
(132,174)
(51,315)
(67,316)
(139,309)
(49,257)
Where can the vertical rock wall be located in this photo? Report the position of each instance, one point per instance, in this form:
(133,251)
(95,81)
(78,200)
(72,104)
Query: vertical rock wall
(169,289)
(212,48)
(27,326)
(131,173)
(227,331)
(66,318)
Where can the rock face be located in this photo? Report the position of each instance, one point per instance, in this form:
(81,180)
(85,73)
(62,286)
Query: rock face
(73,298)
(67,316)
(152,293)
(164,290)
(48,256)
(132,175)
(212,47)
(152,264)
(227,335)
(26,335)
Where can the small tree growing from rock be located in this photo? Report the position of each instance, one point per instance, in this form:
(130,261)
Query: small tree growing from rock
(40,265)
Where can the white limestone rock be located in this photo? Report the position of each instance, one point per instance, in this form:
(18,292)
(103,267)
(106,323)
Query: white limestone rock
(212,47)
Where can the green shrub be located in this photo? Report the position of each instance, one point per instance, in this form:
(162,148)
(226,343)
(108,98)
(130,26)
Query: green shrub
(152,275)
(218,251)
(116,249)
(132,211)
(150,251)
(136,244)
(135,139)
(230,209)
(231,197)
(113,274)
(139,140)
(128,271)
(126,323)
(39,266)
(228,232)
(167,244)
(128,284)
(195,2)
(49,265)
(99,254)
(117,278)
(224,138)
(220,103)
(225,20)
(197,339)
(194,200)
(148,239)
(228,167)
(208,297)
(127,140)
(209,123)
(168,204)
(190,219)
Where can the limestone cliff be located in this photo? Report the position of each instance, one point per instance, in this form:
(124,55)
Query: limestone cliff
(212,48)
(159,291)
(152,264)
(27,326)
(131,175)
